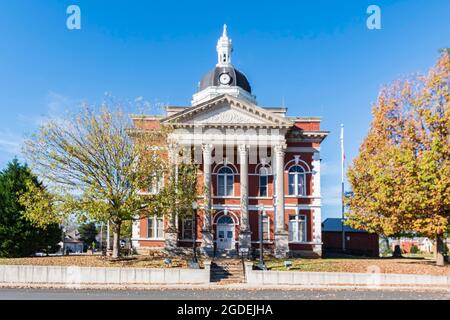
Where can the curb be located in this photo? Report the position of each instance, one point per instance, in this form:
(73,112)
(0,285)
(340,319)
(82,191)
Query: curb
(230,287)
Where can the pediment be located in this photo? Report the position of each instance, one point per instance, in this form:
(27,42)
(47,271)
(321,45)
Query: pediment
(225,115)
(226,110)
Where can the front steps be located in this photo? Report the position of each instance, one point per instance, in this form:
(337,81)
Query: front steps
(226,254)
(226,271)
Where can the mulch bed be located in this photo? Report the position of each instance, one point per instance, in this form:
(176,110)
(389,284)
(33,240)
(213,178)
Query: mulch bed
(364,265)
(152,260)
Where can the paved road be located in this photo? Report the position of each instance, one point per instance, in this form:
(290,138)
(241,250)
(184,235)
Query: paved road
(218,294)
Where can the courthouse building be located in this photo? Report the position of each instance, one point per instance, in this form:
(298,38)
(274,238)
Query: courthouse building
(260,169)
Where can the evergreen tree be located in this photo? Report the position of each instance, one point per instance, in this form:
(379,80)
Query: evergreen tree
(18,236)
(88,232)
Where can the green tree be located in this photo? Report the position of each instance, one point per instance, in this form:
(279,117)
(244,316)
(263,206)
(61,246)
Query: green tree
(18,236)
(100,169)
(88,233)
(401,176)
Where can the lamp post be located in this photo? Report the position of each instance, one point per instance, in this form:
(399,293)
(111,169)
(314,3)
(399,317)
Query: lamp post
(63,229)
(262,215)
(194,235)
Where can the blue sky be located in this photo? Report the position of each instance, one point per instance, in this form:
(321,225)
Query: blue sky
(317,56)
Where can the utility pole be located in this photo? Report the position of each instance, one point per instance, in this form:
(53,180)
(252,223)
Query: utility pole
(101,237)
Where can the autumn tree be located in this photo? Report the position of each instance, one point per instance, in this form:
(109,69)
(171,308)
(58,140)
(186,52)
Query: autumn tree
(99,168)
(401,176)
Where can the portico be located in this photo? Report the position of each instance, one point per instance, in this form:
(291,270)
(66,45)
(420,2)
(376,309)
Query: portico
(217,147)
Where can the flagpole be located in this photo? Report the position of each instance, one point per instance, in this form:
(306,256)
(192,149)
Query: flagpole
(342,186)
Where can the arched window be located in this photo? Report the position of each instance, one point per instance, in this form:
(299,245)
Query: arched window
(263,181)
(225,181)
(297,181)
(225,220)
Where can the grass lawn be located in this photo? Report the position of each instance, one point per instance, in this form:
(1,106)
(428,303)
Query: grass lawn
(152,260)
(361,265)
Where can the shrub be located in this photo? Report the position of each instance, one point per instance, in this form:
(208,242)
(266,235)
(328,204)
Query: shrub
(414,249)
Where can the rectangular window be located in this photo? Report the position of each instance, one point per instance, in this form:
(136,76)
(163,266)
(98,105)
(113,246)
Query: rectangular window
(230,180)
(155,228)
(301,185)
(156,184)
(291,184)
(263,181)
(221,186)
(297,228)
(187,229)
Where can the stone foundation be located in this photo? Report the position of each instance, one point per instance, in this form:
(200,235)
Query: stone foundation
(207,245)
(281,244)
(245,240)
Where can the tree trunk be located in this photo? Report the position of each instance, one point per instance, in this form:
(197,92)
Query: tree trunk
(108,238)
(116,239)
(397,252)
(440,251)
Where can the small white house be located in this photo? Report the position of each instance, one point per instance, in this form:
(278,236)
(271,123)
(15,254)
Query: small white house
(72,245)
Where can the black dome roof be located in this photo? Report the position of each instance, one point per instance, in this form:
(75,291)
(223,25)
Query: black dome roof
(237,78)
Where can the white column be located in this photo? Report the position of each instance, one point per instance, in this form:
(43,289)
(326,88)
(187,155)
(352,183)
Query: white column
(281,235)
(317,212)
(279,187)
(207,236)
(245,234)
(243,156)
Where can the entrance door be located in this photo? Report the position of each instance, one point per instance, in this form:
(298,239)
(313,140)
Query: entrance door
(225,233)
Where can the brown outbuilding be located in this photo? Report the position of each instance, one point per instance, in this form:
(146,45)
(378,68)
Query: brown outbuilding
(357,242)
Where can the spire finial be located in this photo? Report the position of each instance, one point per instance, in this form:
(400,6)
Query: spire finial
(225,31)
(224,48)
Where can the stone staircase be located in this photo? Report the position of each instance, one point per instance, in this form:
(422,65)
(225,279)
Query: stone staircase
(226,271)
(226,254)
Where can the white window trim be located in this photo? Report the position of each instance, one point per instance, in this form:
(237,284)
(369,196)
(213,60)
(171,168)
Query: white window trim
(226,197)
(296,175)
(267,183)
(265,242)
(261,198)
(155,228)
(305,229)
(225,175)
